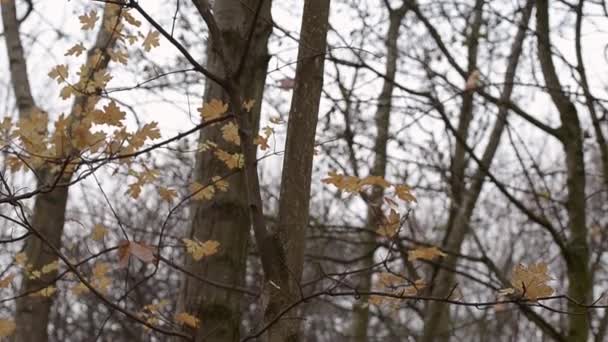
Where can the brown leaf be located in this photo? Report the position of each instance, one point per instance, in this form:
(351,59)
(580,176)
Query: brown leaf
(139,250)
(425,253)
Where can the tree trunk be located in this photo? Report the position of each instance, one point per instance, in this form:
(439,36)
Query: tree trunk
(438,315)
(360,320)
(576,253)
(32,313)
(226,217)
(297,166)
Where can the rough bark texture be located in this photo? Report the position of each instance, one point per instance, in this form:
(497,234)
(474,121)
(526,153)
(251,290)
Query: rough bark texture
(32,313)
(436,327)
(226,217)
(16,59)
(576,253)
(297,165)
(360,320)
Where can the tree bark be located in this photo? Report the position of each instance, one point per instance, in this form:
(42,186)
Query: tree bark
(297,166)
(439,314)
(576,253)
(360,320)
(226,217)
(436,327)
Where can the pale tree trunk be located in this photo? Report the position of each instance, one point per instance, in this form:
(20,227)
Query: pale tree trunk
(437,325)
(32,313)
(297,167)
(226,218)
(360,320)
(576,253)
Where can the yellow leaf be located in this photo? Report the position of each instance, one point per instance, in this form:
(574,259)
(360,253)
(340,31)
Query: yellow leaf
(404,193)
(148,131)
(119,56)
(134,190)
(88,20)
(207,145)
(413,290)
(389,225)
(76,50)
(100,79)
(35,274)
(425,253)
(531,281)
(101,280)
(132,39)
(60,73)
(153,308)
(111,115)
(66,92)
(167,194)
(268,131)
(101,269)
(187,319)
(213,109)
(202,192)
(51,267)
(342,182)
(7,327)
(79,289)
(151,40)
(6,281)
(262,142)
(99,232)
(248,105)
(230,133)
(277,120)
(375,180)
(232,160)
(130,19)
(220,184)
(198,249)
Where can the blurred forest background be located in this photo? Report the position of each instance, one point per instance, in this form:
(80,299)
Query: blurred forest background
(314,170)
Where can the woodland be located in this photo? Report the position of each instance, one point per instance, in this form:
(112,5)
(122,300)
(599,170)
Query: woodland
(303,170)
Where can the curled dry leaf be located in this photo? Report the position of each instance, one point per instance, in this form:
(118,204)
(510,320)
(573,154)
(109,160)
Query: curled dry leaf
(199,250)
(139,250)
(531,281)
(187,319)
(425,253)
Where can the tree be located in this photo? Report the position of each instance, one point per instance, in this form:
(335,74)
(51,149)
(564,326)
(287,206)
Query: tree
(237,53)
(373,170)
(48,216)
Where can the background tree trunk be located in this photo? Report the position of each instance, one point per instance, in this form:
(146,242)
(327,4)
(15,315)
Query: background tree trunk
(225,218)
(576,253)
(297,165)
(464,203)
(360,320)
